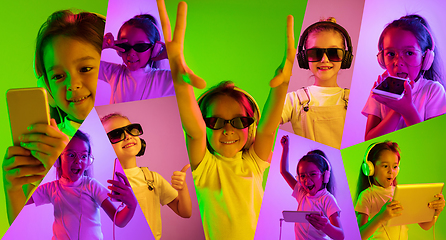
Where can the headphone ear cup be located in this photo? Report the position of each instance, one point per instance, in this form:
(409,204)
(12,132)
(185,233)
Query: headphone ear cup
(429,56)
(143,148)
(302,60)
(251,135)
(326,176)
(347,61)
(158,51)
(368,169)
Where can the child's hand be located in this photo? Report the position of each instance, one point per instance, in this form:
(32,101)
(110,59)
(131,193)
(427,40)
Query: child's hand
(380,79)
(390,210)
(125,191)
(284,141)
(180,71)
(20,168)
(45,142)
(109,42)
(318,221)
(438,205)
(283,73)
(401,106)
(179,178)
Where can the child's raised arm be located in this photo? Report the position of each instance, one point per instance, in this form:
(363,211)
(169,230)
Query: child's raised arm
(272,111)
(184,80)
(284,163)
(182,205)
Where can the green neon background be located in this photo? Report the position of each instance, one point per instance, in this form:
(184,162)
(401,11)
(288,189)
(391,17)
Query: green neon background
(20,22)
(423,157)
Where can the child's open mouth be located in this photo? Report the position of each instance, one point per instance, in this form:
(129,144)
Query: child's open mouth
(132,61)
(77,100)
(229,142)
(310,187)
(324,68)
(402,75)
(75,170)
(129,145)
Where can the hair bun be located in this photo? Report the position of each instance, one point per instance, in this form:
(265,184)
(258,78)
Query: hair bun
(329,19)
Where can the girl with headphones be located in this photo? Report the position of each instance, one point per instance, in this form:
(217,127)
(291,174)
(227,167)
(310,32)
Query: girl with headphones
(150,188)
(376,186)
(318,112)
(77,197)
(313,189)
(68,52)
(406,50)
(229,145)
(140,47)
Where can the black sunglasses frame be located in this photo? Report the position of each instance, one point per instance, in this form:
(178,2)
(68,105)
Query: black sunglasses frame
(126,129)
(209,121)
(139,47)
(321,51)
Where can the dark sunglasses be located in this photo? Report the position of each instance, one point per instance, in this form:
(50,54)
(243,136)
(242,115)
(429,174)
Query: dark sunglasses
(216,123)
(139,47)
(333,54)
(117,135)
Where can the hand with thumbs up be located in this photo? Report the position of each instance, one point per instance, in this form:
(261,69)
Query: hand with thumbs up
(182,205)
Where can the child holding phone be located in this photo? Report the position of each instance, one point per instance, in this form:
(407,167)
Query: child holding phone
(313,189)
(318,112)
(227,162)
(376,186)
(139,44)
(67,59)
(150,188)
(406,50)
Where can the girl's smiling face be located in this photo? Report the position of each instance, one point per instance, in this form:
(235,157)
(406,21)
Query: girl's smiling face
(398,40)
(75,159)
(386,169)
(135,60)
(72,68)
(310,177)
(227,141)
(325,71)
(127,148)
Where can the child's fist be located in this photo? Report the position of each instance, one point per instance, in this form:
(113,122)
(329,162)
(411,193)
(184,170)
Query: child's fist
(284,140)
(179,178)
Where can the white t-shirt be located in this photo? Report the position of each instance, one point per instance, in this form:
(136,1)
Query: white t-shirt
(230,193)
(429,98)
(323,201)
(76,207)
(149,200)
(370,202)
(68,127)
(129,86)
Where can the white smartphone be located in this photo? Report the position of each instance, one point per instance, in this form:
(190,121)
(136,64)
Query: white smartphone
(26,106)
(391,87)
(298,216)
(117,168)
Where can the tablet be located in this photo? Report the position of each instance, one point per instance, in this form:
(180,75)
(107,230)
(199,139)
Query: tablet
(297,216)
(414,199)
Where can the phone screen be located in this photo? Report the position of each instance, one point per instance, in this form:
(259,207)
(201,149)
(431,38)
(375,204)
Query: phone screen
(117,168)
(392,85)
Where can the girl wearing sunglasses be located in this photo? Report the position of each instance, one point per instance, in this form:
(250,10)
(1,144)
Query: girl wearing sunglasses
(318,112)
(140,47)
(150,188)
(68,51)
(229,145)
(407,50)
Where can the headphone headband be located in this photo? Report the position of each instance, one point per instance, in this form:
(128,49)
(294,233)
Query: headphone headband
(301,55)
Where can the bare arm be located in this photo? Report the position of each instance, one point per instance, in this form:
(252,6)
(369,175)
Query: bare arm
(181,205)
(284,163)
(184,80)
(334,229)
(438,205)
(376,127)
(125,195)
(272,111)
(123,217)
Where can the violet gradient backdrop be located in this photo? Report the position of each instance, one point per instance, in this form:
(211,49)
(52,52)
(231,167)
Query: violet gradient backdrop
(165,153)
(38,221)
(117,14)
(278,197)
(376,15)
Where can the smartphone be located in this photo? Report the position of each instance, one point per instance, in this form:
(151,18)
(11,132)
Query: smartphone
(26,106)
(117,168)
(391,87)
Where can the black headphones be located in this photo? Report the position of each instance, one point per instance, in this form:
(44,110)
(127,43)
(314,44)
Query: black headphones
(301,53)
(143,148)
